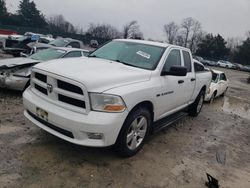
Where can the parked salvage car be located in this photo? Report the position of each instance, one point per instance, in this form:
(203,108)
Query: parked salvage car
(124,91)
(15,72)
(208,62)
(60,42)
(15,46)
(246,68)
(218,87)
(239,67)
(94,43)
(226,64)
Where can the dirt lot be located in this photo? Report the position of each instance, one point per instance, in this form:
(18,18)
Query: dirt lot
(216,142)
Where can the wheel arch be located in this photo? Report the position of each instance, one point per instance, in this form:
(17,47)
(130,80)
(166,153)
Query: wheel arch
(146,104)
(215,91)
(204,88)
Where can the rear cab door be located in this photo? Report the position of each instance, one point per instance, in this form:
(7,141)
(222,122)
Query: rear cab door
(190,79)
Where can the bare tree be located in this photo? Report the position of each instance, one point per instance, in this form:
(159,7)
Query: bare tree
(171,31)
(132,30)
(179,40)
(196,35)
(127,28)
(233,43)
(187,25)
(192,33)
(248,34)
(58,23)
(105,31)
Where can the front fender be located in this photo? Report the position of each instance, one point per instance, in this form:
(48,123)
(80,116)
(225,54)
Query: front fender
(136,93)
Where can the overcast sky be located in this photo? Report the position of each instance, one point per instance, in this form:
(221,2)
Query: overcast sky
(231,18)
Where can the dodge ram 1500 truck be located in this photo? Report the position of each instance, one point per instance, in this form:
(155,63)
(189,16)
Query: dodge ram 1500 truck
(121,93)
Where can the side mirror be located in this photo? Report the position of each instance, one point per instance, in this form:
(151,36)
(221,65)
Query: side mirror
(175,71)
(69,46)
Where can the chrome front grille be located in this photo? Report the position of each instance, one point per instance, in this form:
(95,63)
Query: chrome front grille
(67,93)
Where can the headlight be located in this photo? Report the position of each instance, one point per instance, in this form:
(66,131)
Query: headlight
(24,72)
(208,91)
(23,75)
(106,103)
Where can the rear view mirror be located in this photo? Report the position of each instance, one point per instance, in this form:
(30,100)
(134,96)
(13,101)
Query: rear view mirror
(175,71)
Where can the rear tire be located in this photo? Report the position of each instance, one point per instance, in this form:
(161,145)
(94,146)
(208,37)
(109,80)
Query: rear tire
(195,108)
(135,130)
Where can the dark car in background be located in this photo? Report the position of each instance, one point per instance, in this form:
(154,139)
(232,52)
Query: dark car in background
(16,46)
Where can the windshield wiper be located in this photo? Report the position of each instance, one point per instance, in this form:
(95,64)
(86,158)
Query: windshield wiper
(119,61)
(93,56)
(34,58)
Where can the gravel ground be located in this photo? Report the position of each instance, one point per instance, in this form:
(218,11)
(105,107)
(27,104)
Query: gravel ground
(216,142)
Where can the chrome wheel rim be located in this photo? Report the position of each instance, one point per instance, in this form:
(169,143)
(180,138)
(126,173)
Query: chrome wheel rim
(137,132)
(200,104)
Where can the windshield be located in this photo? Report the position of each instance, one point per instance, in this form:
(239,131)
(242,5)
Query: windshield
(131,53)
(59,42)
(48,54)
(215,77)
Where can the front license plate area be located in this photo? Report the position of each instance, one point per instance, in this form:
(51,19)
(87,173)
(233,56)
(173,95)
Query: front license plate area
(42,114)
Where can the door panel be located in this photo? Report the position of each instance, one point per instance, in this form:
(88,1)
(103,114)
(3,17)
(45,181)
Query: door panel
(190,78)
(172,96)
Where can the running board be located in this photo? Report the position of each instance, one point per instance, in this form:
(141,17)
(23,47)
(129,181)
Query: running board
(162,123)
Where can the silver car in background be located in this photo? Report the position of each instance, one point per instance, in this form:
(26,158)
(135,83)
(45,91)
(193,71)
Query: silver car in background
(15,72)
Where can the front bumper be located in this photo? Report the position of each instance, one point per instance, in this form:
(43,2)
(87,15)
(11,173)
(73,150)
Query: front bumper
(13,82)
(208,96)
(79,125)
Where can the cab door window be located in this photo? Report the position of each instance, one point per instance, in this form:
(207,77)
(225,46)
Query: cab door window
(187,60)
(223,77)
(198,67)
(174,58)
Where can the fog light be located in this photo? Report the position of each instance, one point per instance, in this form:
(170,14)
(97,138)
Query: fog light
(96,136)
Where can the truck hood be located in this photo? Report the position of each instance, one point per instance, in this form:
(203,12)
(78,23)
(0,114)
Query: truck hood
(13,62)
(98,75)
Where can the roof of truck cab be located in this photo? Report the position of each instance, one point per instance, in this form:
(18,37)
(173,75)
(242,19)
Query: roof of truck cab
(153,43)
(165,45)
(217,71)
(70,49)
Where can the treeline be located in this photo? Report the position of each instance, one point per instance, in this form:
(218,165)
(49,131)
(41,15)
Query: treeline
(28,15)
(188,33)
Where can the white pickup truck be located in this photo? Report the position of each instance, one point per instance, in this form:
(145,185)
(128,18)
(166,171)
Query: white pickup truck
(124,91)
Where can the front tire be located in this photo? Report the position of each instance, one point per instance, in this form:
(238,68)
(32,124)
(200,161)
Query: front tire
(195,108)
(134,132)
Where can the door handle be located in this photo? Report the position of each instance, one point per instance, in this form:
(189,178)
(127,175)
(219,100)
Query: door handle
(180,81)
(193,79)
